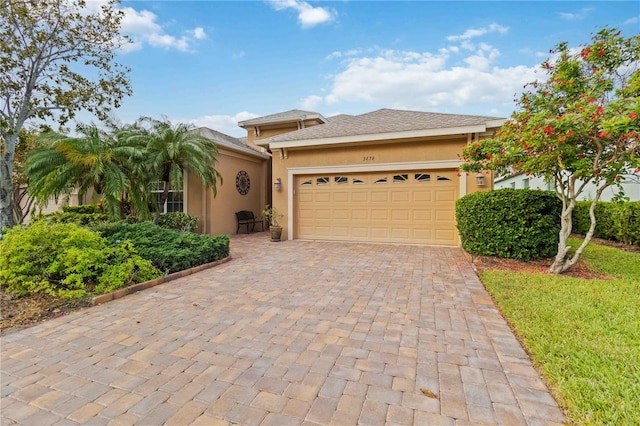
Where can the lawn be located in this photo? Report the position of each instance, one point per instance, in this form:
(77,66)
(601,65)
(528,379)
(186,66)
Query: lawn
(583,334)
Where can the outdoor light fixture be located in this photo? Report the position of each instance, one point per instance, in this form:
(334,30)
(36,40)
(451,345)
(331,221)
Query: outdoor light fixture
(277,184)
(480,179)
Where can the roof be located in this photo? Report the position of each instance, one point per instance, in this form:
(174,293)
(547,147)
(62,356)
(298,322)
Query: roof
(229,142)
(283,117)
(385,121)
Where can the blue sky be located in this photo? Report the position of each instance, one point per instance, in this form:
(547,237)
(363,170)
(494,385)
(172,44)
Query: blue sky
(213,63)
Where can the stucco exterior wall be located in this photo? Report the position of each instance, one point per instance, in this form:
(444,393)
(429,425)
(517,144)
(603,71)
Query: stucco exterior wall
(216,215)
(378,153)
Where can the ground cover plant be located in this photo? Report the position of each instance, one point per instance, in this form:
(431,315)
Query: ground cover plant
(583,334)
(168,249)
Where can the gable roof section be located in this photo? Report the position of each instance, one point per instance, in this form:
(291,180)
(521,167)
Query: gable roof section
(229,142)
(385,124)
(283,117)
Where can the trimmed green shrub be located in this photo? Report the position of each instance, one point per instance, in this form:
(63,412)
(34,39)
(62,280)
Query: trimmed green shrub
(179,221)
(88,215)
(169,250)
(614,221)
(66,260)
(83,209)
(511,223)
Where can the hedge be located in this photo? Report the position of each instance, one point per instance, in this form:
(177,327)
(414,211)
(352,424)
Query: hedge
(614,221)
(168,249)
(511,223)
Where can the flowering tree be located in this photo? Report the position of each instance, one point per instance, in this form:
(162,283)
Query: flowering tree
(580,125)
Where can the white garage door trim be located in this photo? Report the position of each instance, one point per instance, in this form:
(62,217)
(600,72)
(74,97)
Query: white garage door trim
(378,167)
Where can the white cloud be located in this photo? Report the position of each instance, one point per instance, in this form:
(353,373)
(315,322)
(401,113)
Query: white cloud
(308,16)
(632,21)
(238,55)
(142,27)
(477,32)
(311,102)
(576,16)
(444,81)
(227,124)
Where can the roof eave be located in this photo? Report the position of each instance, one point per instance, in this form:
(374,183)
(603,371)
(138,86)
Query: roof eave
(280,120)
(447,131)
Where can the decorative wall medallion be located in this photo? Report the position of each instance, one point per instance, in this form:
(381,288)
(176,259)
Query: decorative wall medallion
(243,183)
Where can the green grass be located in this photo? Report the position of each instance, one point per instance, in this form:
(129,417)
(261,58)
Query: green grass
(583,335)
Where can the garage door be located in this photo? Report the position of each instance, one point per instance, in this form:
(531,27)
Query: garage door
(415,207)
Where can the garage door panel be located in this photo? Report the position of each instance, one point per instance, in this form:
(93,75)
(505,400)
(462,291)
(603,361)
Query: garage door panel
(379,196)
(401,215)
(400,196)
(421,195)
(359,214)
(380,214)
(407,207)
(360,197)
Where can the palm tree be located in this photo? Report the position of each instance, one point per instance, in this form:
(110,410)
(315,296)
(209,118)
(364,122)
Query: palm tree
(173,149)
(93,160)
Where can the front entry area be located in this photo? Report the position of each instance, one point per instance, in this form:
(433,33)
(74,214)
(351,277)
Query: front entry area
(412,207)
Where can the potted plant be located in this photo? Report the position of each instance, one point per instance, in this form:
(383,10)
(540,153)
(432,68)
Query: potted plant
(272,215)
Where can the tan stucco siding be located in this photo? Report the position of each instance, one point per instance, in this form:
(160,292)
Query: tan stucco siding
(217,215)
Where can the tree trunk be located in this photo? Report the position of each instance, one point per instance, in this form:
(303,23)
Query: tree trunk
(563,261)
(6,190)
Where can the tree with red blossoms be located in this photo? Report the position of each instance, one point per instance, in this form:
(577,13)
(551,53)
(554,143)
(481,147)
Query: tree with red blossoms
(580,125)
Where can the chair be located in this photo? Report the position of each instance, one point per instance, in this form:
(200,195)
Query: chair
(246,218)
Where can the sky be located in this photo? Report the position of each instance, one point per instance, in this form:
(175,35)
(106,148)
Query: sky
(214,63)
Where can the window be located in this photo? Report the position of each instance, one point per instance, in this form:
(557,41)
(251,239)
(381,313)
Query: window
(443,179)
(175,200)
(526,183)
(322,180)
(357,181)
(400,178)
(306,183)
(381,180)
(422,177)
(341,179)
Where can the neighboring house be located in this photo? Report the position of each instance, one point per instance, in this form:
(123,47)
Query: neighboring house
(385,176)
(630,185)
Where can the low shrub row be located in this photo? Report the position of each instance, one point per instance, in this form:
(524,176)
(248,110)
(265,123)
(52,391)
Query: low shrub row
(169,250)
(509,223)
(78,252)
(66,260)
(614,221)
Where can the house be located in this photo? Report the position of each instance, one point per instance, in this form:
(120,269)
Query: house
(245,185)
(630,185)
(384,176)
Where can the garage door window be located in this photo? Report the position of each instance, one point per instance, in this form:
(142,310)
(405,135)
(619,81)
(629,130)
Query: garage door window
(341,179)
(400,178)
(422,177)
(382,180)
(322,180)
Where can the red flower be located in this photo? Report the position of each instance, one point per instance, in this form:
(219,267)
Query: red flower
(548,130)
(603,134)
(633,115)
(570,133)
(601,52)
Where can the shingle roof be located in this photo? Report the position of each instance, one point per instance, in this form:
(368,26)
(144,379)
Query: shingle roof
(383,121)
(294,114)
(227,141)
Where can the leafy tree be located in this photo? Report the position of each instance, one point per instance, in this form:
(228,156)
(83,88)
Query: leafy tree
(579,125)
(95,160)
(56,59)
(171,150)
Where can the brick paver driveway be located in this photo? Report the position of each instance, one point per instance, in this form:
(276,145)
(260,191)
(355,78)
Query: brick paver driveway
(286,333)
